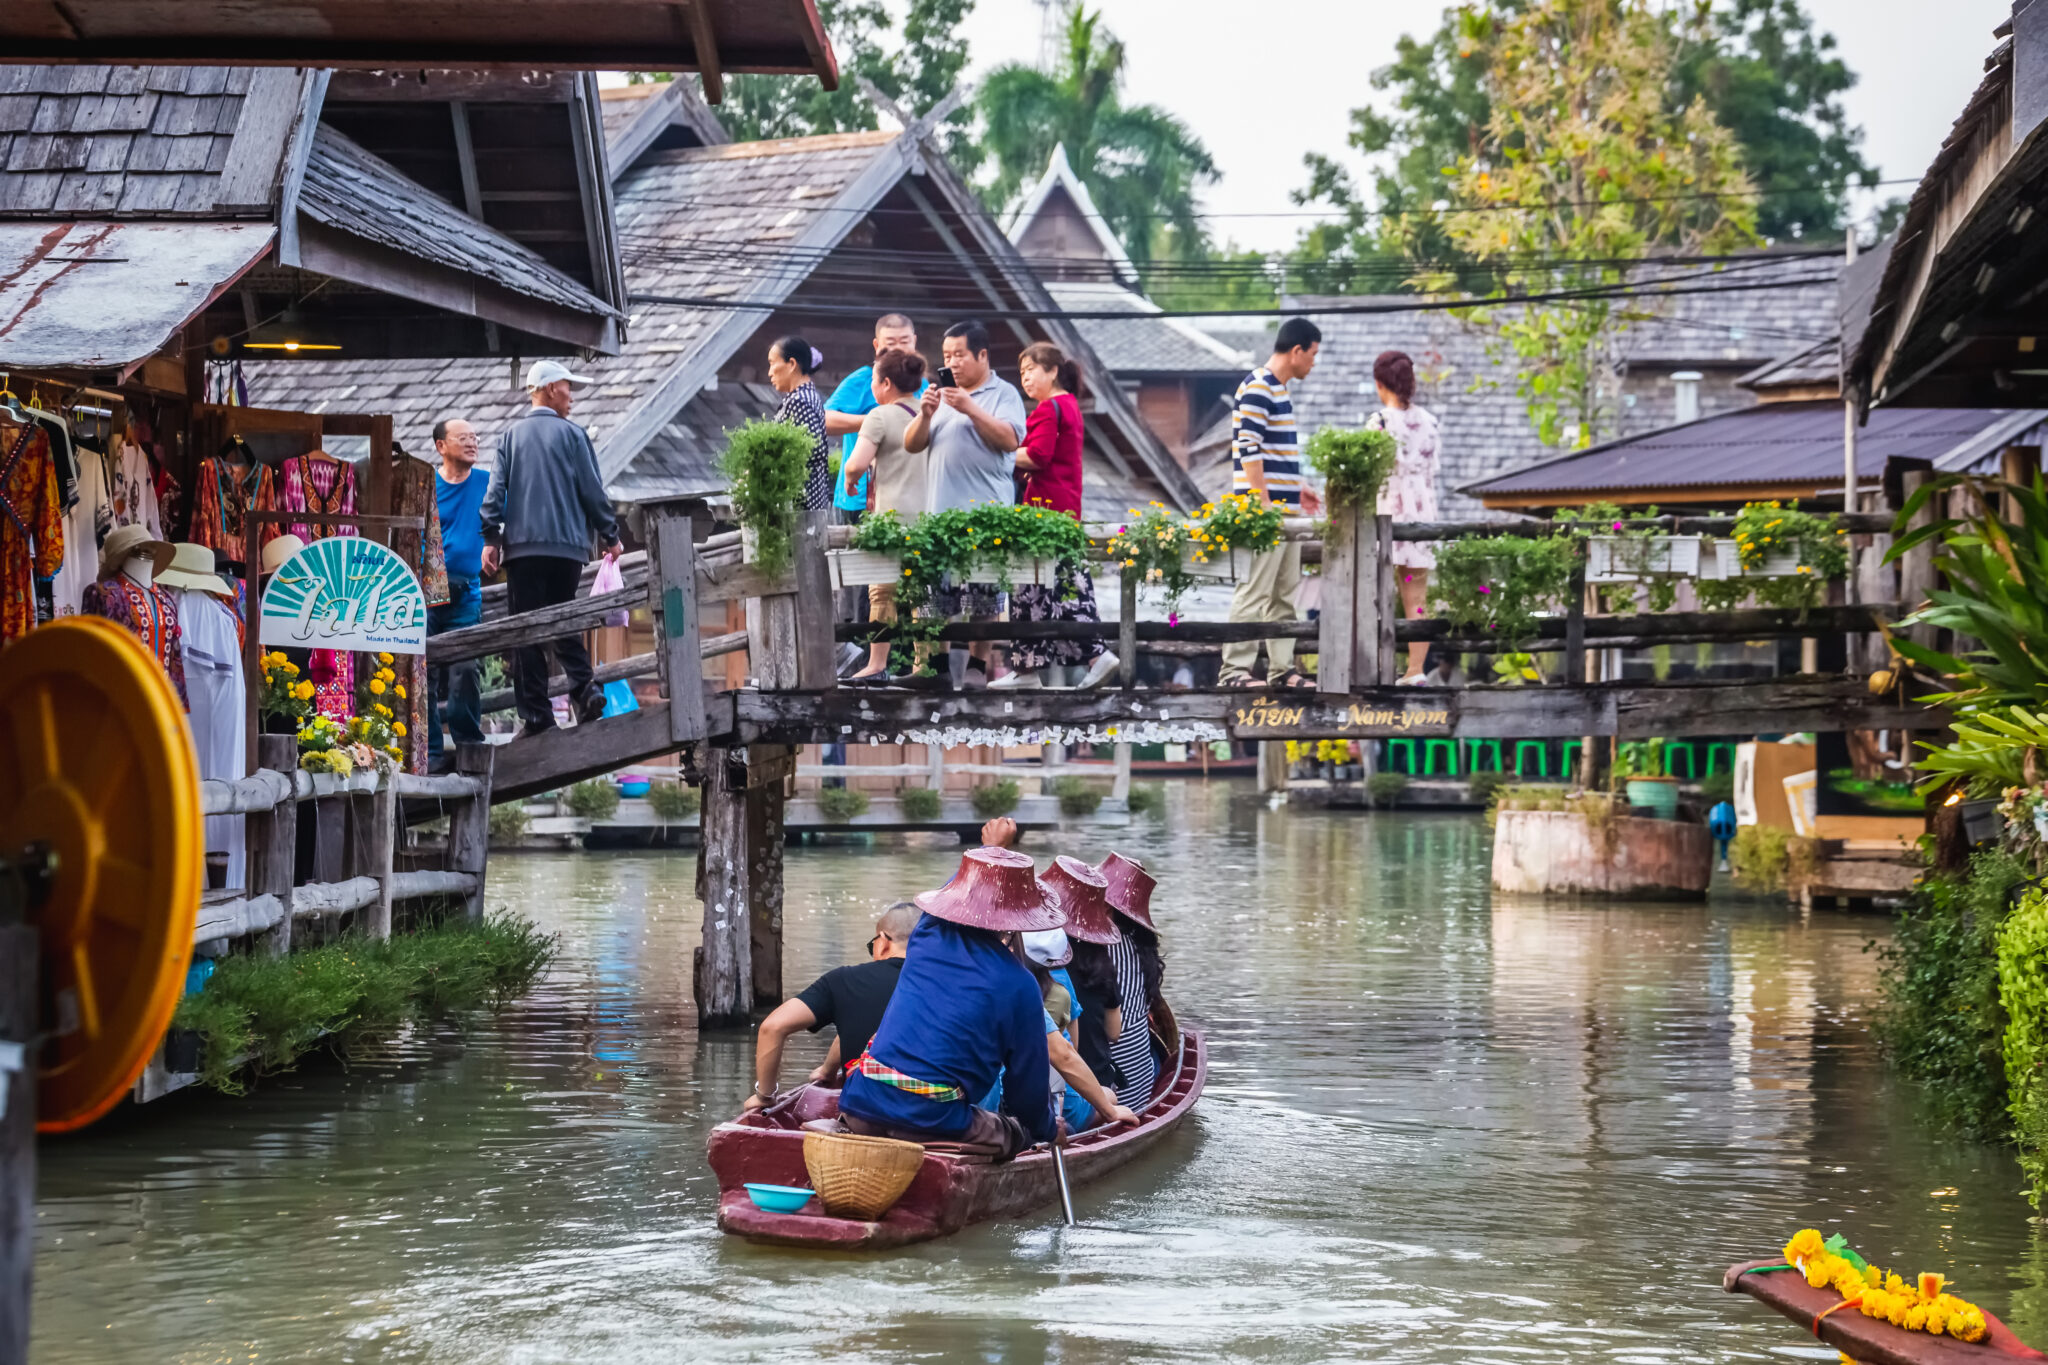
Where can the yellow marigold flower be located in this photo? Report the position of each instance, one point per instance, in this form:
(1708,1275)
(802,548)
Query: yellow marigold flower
(400,689)
(399,729)
(304,691)
(1805,1243)
(1817,1273)
(1915,1319)
(383,658)
(377,686)
(291,669)
(381,709)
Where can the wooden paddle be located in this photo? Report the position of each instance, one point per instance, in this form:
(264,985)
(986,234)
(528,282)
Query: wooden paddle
(1059,1166)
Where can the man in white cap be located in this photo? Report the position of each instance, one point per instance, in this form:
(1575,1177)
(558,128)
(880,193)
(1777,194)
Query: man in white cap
(545,507)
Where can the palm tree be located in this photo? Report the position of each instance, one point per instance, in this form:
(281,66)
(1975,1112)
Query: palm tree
(1141,164)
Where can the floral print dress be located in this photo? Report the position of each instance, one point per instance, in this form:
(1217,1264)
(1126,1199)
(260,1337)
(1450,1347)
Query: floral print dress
(1409,493)
(328,487)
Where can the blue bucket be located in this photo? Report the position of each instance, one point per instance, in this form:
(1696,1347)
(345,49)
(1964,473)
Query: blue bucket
(779,1198)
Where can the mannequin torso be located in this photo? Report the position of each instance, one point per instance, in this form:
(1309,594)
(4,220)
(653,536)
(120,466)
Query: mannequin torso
(141,571)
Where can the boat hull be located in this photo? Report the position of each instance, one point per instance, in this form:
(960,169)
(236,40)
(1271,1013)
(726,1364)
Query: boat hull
(950,1190)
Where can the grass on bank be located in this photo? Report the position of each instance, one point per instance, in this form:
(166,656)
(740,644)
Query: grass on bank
(258,1015)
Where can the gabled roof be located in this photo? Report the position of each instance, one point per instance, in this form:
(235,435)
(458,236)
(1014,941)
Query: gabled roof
(1059,179)
(1816,366)
(1794,449)
(662,116)
(1146,344)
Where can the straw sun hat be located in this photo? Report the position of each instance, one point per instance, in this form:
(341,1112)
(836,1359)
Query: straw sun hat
(994,889)
(192,567)
(124,543)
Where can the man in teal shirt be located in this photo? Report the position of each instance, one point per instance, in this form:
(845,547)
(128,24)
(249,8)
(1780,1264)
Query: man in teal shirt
(855,399)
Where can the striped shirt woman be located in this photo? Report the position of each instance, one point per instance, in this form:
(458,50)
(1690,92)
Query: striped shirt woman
(1132,1050)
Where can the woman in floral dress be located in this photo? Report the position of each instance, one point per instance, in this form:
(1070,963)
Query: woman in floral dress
(1409,493)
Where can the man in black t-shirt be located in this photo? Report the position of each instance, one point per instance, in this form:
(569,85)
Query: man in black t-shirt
(850,998)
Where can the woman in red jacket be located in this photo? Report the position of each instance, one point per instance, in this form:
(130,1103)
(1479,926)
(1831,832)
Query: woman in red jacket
(1050,465)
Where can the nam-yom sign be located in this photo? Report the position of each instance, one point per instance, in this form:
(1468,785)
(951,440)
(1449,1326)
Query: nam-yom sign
(345,592)
(1266,717)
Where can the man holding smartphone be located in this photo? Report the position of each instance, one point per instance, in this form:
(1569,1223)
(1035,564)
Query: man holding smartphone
(972,422)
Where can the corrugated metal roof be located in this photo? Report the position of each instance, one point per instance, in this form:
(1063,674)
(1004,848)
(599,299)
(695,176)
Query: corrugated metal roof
(1775,443)
(105,295)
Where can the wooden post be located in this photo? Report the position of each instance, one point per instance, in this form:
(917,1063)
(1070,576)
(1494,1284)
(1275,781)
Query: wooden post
(765,788)
(1575,617)
(376,835)
(817,655)
(1127,631)
(1388,610)
(672,593)
(469,824)
(1354,646)
(273,842)
(1272,765)
(18,1027)
(771,641)
(1120,789)
(723,977)
(2017,465)
(1916,566)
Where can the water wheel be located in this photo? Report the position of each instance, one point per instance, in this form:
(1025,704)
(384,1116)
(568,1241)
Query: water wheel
(99,813)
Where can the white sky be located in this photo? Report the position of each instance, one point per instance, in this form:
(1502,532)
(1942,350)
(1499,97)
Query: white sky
(1191,57)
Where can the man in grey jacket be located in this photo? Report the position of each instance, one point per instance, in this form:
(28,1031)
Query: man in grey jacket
(545,506)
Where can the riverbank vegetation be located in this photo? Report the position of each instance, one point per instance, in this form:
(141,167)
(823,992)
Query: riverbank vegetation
(257,1015)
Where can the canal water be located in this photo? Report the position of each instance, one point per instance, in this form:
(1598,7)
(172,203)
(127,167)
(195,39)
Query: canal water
(1440,1127)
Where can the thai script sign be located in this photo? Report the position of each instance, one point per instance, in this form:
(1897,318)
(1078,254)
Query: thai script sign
(1267,717)
(344,592)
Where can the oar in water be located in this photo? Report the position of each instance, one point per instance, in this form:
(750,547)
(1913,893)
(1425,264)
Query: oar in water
(1059,1166)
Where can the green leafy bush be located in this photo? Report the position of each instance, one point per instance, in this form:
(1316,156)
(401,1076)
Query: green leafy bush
(596,799)
(1718,787)
(1146,798)
(1482,785)
(1353,464)
(1758,857)
(963,543)
(765,464)
(1386,788)
(994,798)
(2023,991)
(674,800)
(919,803)
(1078,796)
(1496,585)
(840,804)
(261,1014)
(1943,1020)
(508,822)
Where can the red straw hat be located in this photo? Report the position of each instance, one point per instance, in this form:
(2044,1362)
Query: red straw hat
(1078,889)
(1130,888)
(995,889)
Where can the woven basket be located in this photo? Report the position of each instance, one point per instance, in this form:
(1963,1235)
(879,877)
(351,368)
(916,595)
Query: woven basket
(860,1177)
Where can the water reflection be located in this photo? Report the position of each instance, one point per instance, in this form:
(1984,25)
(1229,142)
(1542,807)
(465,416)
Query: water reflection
(1439,1127)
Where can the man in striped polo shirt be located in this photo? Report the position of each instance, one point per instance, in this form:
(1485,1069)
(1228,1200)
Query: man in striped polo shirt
(1266,464)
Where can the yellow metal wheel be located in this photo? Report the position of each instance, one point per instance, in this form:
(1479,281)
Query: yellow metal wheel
(96,766)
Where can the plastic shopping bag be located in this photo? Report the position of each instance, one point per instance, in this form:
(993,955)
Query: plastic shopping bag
(619,698)
(609,579)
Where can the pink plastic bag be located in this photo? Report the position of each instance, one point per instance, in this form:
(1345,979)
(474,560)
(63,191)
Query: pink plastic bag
(609,579)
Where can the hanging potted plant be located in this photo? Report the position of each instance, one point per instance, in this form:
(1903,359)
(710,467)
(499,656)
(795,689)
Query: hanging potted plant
(1780,555)
(1625,554)
(1231,531)
(1498,586)
(1639,767)
(764,464)
(1159,548)
(1353,464)
(876,555)
(1014,547)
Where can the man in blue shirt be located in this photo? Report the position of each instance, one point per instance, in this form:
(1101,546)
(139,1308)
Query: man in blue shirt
(855,399)
(459,497)
(965,1011)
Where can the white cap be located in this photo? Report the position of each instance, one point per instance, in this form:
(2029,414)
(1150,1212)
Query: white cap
(544,372)
(1048,947)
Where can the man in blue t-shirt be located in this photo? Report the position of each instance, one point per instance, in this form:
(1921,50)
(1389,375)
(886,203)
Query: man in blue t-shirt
(855,399)
(459,498)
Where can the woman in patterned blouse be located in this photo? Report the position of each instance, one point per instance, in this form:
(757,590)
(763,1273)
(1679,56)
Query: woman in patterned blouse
(791,362)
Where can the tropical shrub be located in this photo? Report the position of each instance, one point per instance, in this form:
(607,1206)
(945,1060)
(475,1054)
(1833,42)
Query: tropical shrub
(841,804)
(596,799)
(919,803)
(994,798)
(508,823)
(1482,785)
(1078,796)
(2023,991)
(674,800)
(1353,464)
(765,464)
(1386,788)
(1156,548)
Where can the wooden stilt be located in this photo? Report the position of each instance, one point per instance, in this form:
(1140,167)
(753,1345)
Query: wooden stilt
(1120,789)
(273,842)
(469,824)
(18,955)
(764,867)
(724,973)
(1355,646)
(377,834)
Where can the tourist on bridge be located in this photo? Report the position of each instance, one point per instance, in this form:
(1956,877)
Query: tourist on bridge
(851,998)
(791,363)
(1139,970)
(850,404)
(972,426)
(900,480)
(1266,465)
(965,1012)
(459,499)
(546,502)
(1050,462)
(1410,490)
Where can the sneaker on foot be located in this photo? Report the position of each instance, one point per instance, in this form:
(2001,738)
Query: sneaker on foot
(590,707)
(1017,682)
(1098,672)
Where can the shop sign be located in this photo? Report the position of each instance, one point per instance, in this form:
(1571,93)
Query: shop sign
(346,593)
(1267,717)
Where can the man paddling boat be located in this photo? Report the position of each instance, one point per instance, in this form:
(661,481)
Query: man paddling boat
(965,1011)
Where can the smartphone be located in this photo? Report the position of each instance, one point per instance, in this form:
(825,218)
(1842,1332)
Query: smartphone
(945,377)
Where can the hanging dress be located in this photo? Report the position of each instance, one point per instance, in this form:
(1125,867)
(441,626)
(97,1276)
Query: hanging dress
(150,615)
(323,487)
(31,524)
(211,633)
(223,502)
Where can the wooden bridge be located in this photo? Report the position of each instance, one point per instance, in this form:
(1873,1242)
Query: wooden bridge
(739,743)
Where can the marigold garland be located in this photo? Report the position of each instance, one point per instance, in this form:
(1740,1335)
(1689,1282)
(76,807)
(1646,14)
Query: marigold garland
(1918,1307)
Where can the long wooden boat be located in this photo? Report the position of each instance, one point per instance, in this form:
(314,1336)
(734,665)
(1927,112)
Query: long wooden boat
(951,1190)
(1868,1340)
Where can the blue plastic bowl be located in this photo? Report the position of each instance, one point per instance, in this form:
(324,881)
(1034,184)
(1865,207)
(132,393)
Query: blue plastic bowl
(779,1198)
(636,788)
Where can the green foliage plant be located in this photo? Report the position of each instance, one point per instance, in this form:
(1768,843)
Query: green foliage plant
(1353,464)
(1498,584)
(1385,788)
(1483,785)
(259,1014)
(1764,530)
(1633,549)
(596,799)
(765,464)
(1996,593)
(1717,787)
(508,822)
(674,801)
(1156,547)
(1639,758)
(953,546)
(1943,1019)
(2023,991)
(1143,799)
(1989,751)
(1758,858)
(994,798)
(1078,797)
(841,804)
(919,803)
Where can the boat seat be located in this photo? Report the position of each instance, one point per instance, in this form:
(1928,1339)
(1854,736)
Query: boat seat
(967,1151)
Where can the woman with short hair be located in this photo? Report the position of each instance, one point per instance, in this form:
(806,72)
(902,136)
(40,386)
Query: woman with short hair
(1409,493)
(902,482)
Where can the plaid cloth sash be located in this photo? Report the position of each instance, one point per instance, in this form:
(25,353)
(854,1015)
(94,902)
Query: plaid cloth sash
(867,1066)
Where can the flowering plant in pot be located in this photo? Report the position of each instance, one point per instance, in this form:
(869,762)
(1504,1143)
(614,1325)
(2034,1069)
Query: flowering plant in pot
(1779,555)
(1498,585)
(1623,557)
(1161,549)
(1229,532)
(1353,464)
(1639,768)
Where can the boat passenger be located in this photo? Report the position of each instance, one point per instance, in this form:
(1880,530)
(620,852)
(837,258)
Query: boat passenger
(1139,970)
(965,1011)
(1081,1099)
(852,998)
(1091,929)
